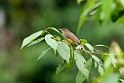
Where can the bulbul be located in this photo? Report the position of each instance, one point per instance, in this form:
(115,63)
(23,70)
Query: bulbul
(71,37)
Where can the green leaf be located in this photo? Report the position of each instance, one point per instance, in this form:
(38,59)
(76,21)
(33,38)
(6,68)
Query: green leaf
(51,42)
(80,76)
(71,56)
(52,28)
(96,6)
(109,78)
(83,41)
(106,12)
(81,63)
(97,60)
(89,64)
(110,60)
(101,46)
(95,63)
(30,38)
(64,51)
(89,47)
(98,63)
(114,61)
(35,41)
(122,2)
(121,80)
(60,68)
(86,9)
(43,53)
(100,70)
(121,20)
(79,1)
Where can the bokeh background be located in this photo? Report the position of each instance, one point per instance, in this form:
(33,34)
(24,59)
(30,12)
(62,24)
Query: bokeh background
(20,18)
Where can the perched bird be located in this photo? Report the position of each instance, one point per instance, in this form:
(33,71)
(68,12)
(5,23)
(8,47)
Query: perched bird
(71,37)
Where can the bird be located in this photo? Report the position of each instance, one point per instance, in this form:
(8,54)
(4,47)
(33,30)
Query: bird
(69,36)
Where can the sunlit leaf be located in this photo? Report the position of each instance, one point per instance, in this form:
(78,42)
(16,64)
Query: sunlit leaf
(35,41)
(64,51)
(121,70)
(121,20)
(89,64)
(43,53)
(80,76)
(109,78)
(106,12)
(110,60)
(101,46)
(97,60)
(121,80)
(60,68)
(81,63)
(83,41)
(122,2)
(52,28)
(114,61)
(51,42)
(79,1)
(94,10)
(100,70)
(89,47)
(30,38)
(95,63)
(98,63)
(85,11)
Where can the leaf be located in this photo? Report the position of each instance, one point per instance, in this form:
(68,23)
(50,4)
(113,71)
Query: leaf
(83,41)
(79,1)
(89,47)
(97,60)
(43,53)
(81,63)
(106,12)
(110,60)
(114,61)
(96,6)
(64,51)
(89,64)
(95,63)
(51,42)
(122,2)
(80,76)
(101,46)
(71,56)
(60,68)
(121,80)
(35,41)
(86,9)
(30,38)
(109,78)
(100,70)
(98,63)
(52,28)
(121,19)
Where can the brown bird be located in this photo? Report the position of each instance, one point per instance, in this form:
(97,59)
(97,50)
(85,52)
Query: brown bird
(71,37)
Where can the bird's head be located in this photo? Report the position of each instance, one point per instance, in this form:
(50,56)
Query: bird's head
(64,30)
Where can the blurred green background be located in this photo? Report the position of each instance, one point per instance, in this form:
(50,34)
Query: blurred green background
(20,18)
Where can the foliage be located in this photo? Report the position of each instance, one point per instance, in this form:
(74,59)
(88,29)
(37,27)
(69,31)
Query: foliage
(71,55)
(110,67)
(102,10)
